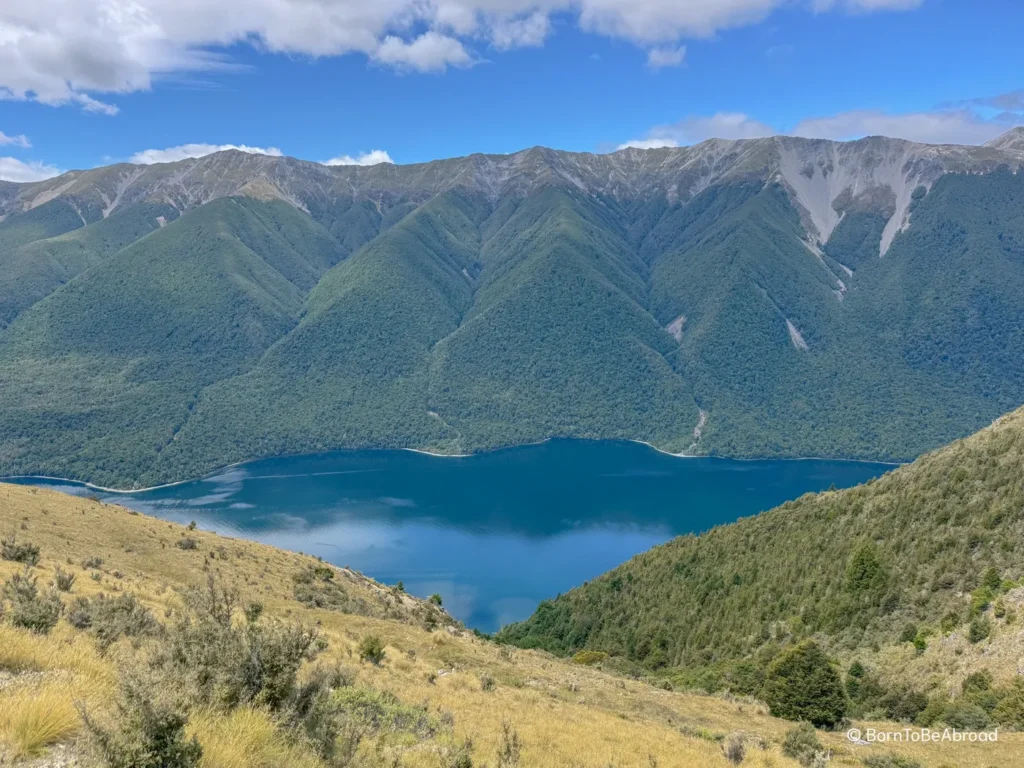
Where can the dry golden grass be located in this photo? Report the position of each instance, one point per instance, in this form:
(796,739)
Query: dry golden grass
(245,738)
(567,716)
(33,717)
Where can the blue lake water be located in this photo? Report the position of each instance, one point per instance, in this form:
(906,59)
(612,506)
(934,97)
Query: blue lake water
(494,533)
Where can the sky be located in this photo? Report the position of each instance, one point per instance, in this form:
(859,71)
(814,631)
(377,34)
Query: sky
(85,83)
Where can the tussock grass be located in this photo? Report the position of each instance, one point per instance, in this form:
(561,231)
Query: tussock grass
(34,717)
(63,650)
(246,738)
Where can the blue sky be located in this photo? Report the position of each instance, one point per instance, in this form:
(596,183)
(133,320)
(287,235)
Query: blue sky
(82,86)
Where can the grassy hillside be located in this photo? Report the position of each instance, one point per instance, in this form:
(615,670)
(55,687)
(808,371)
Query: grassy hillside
(138,353)
(439,696)
(916,574)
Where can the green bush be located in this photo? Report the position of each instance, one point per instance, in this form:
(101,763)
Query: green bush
(965,716)
(187,543)
(802,684)
(229,664)
(903,704)
(510,747)
(371,649)
(381,711)
(979,629)
(890,761)
(24,552)
(28,608)
(148,733)
(589,658)
(801,743)
(110,618)
(1009,712)
(62,580)
(734,748)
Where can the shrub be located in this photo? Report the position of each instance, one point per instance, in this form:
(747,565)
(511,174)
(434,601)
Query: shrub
(1009,712)
(459,756)
(909,633)
(436,599)
(801,744)
(932,713)
(509,746)
(486,682)
(589,658)
(965,716)
(28,608)
(903,704)
(110,618)
(25,552)
(376,711)
(228,664)
(890,761)
(92,563)
(63,580)
(79,615)
(148,733)
(865,573)
(186,543)
(312,712)
(371,649)
(734,748)
(802,684)
(316,588)
(979,629)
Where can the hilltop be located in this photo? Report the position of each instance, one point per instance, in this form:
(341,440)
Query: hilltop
(915,577)
(771,297)
(438,696)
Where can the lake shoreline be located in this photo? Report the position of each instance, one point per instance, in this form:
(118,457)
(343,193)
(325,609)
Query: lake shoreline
(426,452)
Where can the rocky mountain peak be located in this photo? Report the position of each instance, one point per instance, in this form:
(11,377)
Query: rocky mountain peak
(1012,140)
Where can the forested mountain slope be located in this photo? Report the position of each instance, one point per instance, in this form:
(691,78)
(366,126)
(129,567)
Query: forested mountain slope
(919,570)
(770,297)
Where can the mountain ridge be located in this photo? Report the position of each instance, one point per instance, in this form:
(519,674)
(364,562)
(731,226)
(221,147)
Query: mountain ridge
(614,174)
(472,303)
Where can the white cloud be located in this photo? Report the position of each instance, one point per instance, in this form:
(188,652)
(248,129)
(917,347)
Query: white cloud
(695,129)
(949,124)
(648,144)
(18,141)
(666,56)
(75,51)
(373,157)
(185,151)
(12,169)
(960,126)
(430,52)
(531,30)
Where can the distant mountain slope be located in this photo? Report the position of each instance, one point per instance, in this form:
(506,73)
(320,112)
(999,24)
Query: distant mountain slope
(937,545)
(770,297)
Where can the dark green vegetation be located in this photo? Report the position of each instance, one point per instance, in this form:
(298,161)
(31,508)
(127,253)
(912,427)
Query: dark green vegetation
(931,549)
(289,309)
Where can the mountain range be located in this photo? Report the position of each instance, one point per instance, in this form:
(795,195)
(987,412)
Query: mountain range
(767,297)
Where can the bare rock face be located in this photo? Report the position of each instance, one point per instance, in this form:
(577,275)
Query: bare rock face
(1011,141)
(825,179)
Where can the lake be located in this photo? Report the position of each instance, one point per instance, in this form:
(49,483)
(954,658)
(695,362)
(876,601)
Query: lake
(493,534)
